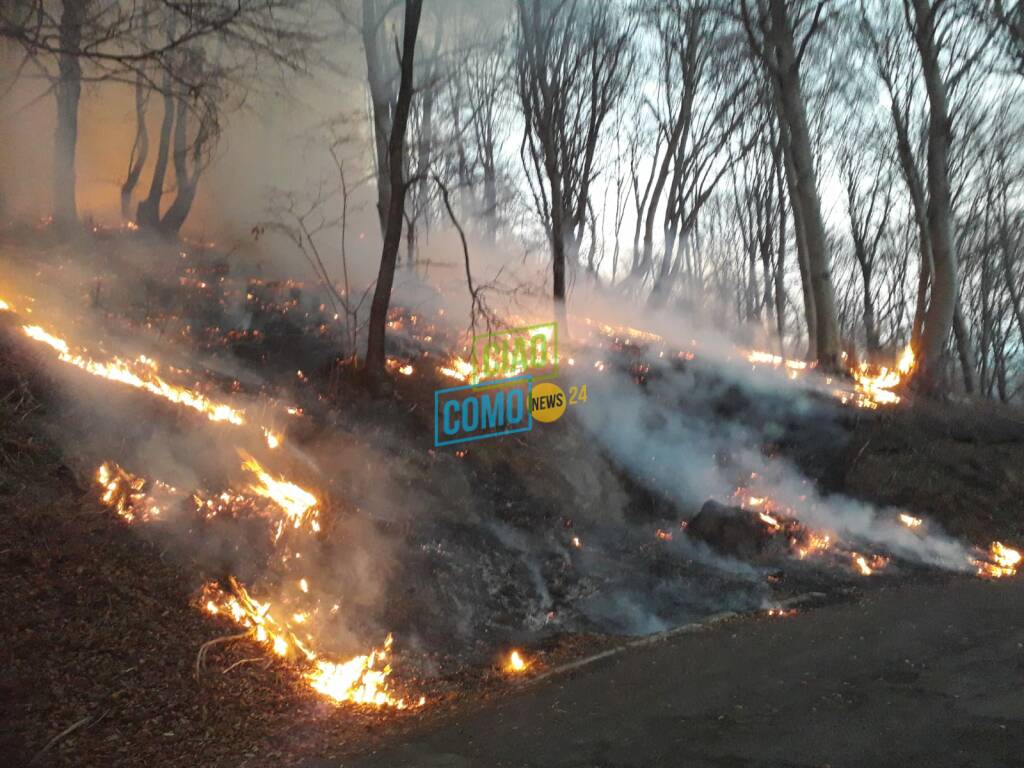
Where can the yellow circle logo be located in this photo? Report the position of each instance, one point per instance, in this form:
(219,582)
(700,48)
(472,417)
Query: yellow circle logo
(547,402)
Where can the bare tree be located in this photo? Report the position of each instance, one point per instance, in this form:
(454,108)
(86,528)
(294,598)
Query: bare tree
(397,186)
(869,202)
(772,32)
(80,41)
(573,64)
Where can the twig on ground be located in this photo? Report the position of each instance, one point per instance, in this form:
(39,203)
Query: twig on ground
(240,662)
(205,649)
(85,721)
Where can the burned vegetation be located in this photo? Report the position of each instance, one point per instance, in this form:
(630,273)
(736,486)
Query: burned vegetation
(310,529)
(363,359)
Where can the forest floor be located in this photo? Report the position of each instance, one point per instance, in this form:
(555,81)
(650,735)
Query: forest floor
(100,633)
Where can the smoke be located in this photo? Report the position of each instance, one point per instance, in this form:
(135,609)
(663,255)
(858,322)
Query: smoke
(697,431)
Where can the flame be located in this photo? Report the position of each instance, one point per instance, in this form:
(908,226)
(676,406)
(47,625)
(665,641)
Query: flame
(127,494)
(458,369)
(393,364)
(910,521)
(142,373)
(516,664)
(874,385)
(768,520)
(273,438)
(298,504)
(663,535)
(4,306)
(359,680)
(1000,561)
(867,567)
(768,358)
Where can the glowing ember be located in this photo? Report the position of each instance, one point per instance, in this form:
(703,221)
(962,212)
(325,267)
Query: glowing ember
(516,663)
(782,613)
(141,373)
(127,494)
(663,535)
(999,561)
(298,504)
(813,544)
(910,521)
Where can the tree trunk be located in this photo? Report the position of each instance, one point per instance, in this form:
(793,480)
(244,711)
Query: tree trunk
(148,213)
(381,105)
(792,112)
(1012,285)
(140,149)
(945,277)
(870,324)
(375,352)
(68,91)
(964,348)
(186,182)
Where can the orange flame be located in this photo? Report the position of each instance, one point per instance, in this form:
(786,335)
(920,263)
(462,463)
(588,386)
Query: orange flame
(141,373)
(359,680)
(516,664)
(298,504)
(1000,561)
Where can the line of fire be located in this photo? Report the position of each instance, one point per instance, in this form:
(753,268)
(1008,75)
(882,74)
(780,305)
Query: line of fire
(547,383)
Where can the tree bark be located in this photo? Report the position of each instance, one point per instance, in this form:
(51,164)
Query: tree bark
(140,149)
(792,112)
(375,351)
(186,181)
(381,100)
(945,278)
(148,213)
(68,91)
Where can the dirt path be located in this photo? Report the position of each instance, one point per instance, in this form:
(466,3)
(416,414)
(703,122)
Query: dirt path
(919,675)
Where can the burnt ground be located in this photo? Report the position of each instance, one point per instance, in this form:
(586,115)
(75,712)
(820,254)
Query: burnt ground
(101,630)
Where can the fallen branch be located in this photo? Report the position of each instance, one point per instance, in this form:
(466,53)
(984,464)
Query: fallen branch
(240,662)
(87,720)
(205,649)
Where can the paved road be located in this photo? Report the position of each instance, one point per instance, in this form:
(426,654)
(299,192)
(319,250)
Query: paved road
(925,675)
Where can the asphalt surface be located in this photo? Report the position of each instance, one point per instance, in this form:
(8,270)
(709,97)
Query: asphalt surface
(919,675)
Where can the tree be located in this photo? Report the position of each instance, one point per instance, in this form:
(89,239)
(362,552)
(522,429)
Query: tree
(772,37)
(78,41)
(573,65)
(397,185)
